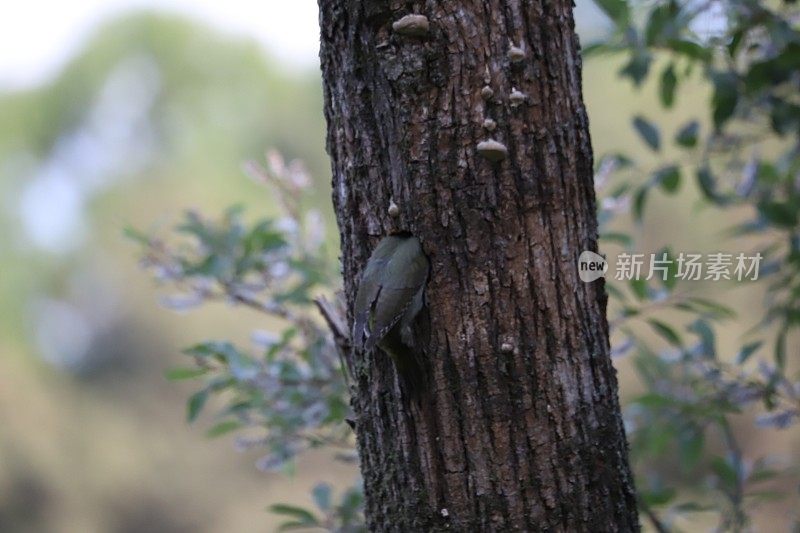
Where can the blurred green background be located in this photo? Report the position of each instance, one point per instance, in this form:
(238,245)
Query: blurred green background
(150,113)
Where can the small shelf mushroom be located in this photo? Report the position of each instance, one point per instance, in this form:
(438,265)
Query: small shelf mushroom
(516,54)
(492,150)
(412,26)
(517,97)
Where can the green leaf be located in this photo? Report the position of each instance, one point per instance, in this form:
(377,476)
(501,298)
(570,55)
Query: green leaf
(762,474)
(766,495)
(638,67)
(206,349)
(666,332)
(597,48)
(322,495)
(687,135)
(708,186)
(262,238)
(691,507)
(661,24)
(690,447)
(690,49)
(726,96)
(622,161)
(668,178)
(779,213)
(177,374)
(736,40)
(214,265)
(614,292)
(351,503)
(302,515)
(639,288)
(194,225)
(629,311)
(724,471)
(707,338)
(784,117)
(654,400)
(135,235)
(655,439)
(658,498)
(780,350)
(639,201)
(618,237)
(233,212)
(648,132)
(222,428)
(672,269)
(617,10)
(747,351)
(711,307)
(241,365)
(195,404)
(294,524)
(774,71)
(669,82)
(750,227)
(768,174)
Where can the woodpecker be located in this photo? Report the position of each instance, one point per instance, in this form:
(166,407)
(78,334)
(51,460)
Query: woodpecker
(389,297)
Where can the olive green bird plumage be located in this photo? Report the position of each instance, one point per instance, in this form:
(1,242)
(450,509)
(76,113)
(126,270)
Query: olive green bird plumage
(389,297)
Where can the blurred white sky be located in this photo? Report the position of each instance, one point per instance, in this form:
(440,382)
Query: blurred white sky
(38,36)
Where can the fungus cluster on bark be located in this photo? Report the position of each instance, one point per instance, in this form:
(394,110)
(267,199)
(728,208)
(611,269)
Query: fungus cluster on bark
(492,149)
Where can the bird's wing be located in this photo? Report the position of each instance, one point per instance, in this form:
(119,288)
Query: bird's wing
(365,300)
(389,309)
(402,280)
(369,287)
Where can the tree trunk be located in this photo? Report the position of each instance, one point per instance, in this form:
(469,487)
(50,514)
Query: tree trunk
(519,428)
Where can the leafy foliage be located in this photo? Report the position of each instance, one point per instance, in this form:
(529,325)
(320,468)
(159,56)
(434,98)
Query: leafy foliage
(291,393)
(344,517)
(744,156)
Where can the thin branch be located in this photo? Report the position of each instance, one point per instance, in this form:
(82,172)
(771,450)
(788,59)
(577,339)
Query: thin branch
(656,522)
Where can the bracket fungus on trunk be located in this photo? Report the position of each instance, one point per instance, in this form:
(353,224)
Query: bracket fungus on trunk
(412,26)
(492,150)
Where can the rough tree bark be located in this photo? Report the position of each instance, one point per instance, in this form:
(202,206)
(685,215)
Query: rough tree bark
(520,427)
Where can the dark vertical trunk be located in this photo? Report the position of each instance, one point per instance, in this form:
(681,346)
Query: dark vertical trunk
(520,427)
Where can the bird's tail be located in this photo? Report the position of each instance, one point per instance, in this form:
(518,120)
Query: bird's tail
(411,374)
(408,366)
